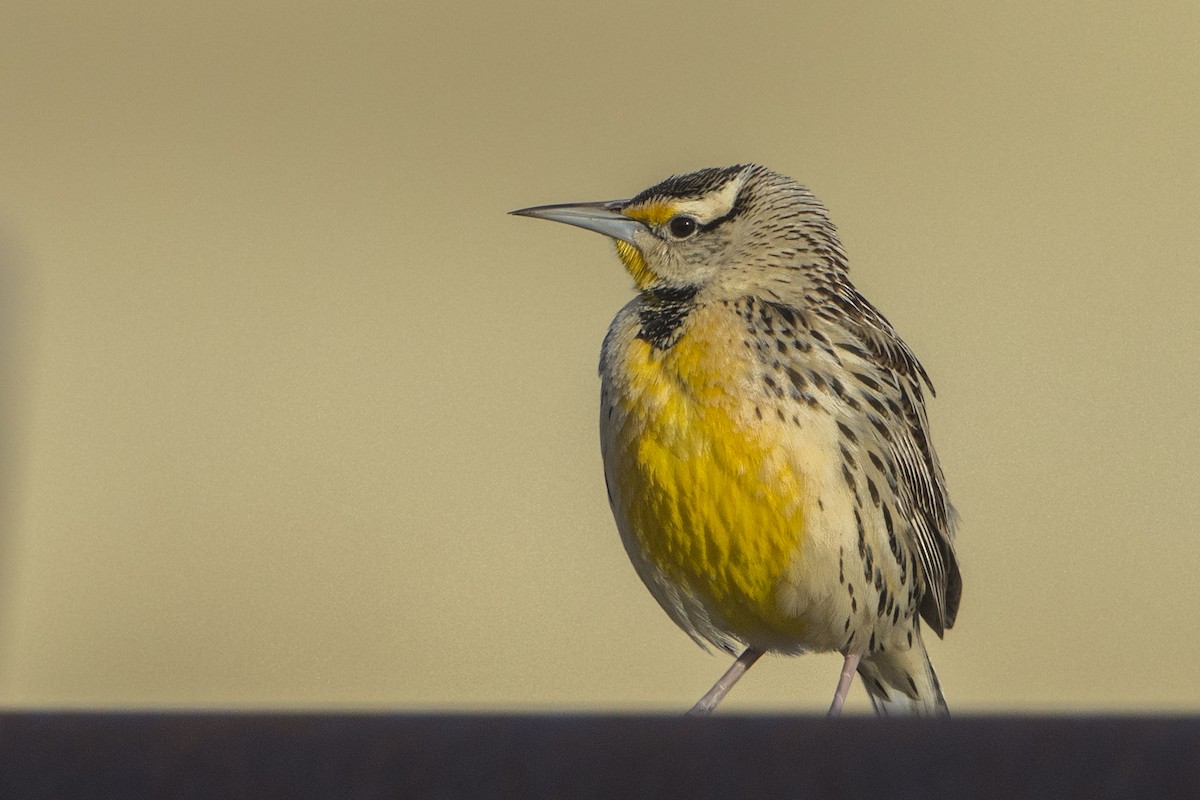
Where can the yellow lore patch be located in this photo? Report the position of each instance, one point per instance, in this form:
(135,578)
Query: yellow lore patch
(714,505)
(653,214)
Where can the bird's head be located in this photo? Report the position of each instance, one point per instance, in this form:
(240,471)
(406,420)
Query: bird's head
(726,230)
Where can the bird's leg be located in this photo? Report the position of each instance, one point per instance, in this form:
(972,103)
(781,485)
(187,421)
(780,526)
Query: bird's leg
(843,688)
(721,688)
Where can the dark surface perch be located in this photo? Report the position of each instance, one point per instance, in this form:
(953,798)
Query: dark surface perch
(229,755)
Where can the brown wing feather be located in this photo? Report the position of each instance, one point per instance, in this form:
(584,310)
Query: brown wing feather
(921,486)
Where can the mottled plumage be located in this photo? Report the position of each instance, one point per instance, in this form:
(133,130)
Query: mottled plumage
(764,434)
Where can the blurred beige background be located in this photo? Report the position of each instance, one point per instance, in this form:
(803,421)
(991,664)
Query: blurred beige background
(295,416)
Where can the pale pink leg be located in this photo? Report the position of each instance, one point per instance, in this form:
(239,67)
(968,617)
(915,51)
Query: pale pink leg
(721,688)
(843,688)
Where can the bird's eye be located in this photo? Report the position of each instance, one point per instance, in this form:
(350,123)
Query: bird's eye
(682,227)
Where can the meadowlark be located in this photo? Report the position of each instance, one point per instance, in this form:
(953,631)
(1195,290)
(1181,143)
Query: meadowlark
(765,442)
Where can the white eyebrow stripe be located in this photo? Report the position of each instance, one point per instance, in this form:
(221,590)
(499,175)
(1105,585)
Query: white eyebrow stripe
(713,205)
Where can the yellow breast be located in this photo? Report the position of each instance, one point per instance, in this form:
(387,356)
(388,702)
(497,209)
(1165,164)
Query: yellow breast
(703,487)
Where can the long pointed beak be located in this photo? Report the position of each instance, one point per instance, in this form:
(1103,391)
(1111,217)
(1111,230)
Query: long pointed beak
(603,218)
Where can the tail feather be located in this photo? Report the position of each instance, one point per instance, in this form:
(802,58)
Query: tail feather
(902,682)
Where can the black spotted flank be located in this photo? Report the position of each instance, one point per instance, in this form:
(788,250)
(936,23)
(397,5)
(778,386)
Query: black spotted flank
(849,434)
(789,316)
(867,381)
(846,457)
(853,349)
(846,476)
(798,386)
(793,318)
(882,427)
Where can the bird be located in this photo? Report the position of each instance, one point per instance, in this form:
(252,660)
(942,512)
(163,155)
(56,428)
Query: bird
(765,440)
